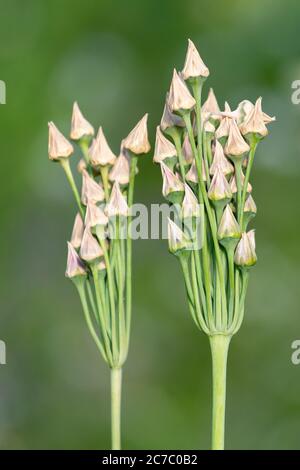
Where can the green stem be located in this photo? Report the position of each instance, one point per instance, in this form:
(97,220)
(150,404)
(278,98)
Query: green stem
(177,141)
(104,177)
(67,169)
(253,146)
(116,389)
(238,178)
(219,351)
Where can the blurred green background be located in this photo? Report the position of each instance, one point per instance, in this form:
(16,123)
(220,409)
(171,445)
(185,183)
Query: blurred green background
(116,59)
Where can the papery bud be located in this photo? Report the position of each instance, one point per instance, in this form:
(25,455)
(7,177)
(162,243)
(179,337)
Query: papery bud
(99,152)
(250,205)
(211,106)
(194,66)
(120,172)
(90,249)
(170,120)
(187,151)
(173,188)
(91,191)
(254,122)
(233,184)
(219,189)
(94,216)
(243,110)
(117,204)
(164,149)
(81,166)
(180,99)
(209,128)
(80,127)
(220,161)
(58,146)
(101,266)
(77,232)
(245,255)
(192,174)
(178,241)
(190,204)
(251,237)
(137,140)
(222,132)
(235,146)
(229,229)
(75,267)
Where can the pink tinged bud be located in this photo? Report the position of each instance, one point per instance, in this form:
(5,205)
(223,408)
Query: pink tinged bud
(117,204)
(245,255)
(251,236)
(219,189)
(170,120)
(211,106)
(77,233)
(94,216)
(137,140)
(91,191)
(187,150)
(58,146)
(81,166)
(100,153)
(223,130)
(254,122)
(250,205)
(220,161)
(209,127)
(180,99)
(243,109)
(190,205)
(80,127)
(176,237)
(163,147)
(120,172)
(194,66)
(228,228)
(192,174)
(75,266)
(90,249)
(233,185)
(173,188)
(235,146)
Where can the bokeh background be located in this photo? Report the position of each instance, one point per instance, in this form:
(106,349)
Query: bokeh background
(116,59)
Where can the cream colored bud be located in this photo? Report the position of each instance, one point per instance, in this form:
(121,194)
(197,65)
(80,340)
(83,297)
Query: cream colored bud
(176,237)
(75,267)
(211,106)
(219,189)
(173,188)
(250,205)
(229,227)
(117,204)
(220,161)
(94,216)
(233,184)
(77,232)
(192,174)
(194,66)
(187,151)
(243,109)
(80,127)
(163,147)
(254,122)
(170,120)
(58,146)
(91,191)
(190,205)
(180,99)
(245,255)
(90,249)
(235,146)
(81,166)
(222,131)
(99,152)
(120,172)
(137,140)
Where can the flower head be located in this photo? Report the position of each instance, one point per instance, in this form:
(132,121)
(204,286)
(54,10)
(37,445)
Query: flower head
(99,152)
(80,127)
(77,232)
(75,266)
(58,146)
(194,66)
(180,99)
(137,140)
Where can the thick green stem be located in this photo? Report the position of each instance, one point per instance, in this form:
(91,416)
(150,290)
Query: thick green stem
(219,351)
(67,169)
(116,388)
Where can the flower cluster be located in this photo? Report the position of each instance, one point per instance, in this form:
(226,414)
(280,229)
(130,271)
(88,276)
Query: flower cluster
(99,251)
(206,157)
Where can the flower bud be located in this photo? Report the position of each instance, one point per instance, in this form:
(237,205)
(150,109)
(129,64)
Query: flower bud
(251,237)
(243,109)
(222,132)
(94,216)
(164,149)
(137,140)
(187,151)
(117,204)
(233,184)
(190,205)
(178,242)
(75,266)
(254,122)
(99,152)
(90,249)
(180,99)
(77,232)
(170,120)
(219,189)
(235,146)
(81,166)
(250,206)
(91,191)
(211,107)
(194,66)
(245,255)
(120,172)
(58,146)
(192,174)
(220,161)
(173,188)
(80,127)
(229,229)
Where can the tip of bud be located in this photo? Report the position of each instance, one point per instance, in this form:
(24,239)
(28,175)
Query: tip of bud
(80,127)
(180,98)
(58,146)
(137,140)
(75,266)
(194,66)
